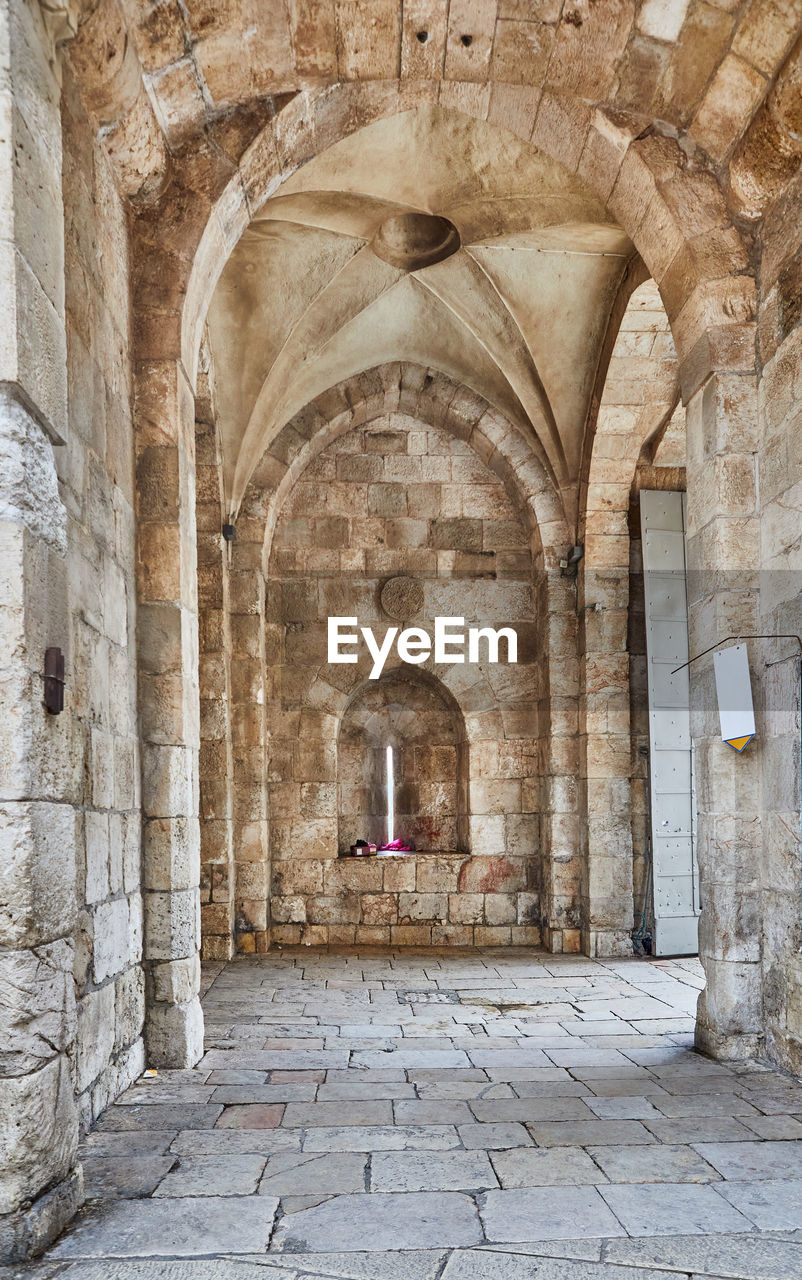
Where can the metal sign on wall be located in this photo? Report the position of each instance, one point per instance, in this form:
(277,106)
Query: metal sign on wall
(734,692)
(675,870)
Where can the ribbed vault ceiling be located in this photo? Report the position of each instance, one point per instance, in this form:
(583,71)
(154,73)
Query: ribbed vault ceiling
(317,289)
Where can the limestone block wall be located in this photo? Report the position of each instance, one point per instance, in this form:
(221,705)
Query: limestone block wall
(398,498)
(96,476)
(418,900)
(40,1180)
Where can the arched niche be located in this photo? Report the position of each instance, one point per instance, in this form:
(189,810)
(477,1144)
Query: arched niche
(413,715)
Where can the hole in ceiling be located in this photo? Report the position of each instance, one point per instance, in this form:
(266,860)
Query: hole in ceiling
(415,240)
(423,36)
(467,41)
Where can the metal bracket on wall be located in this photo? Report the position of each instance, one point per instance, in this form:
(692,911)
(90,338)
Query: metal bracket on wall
(744,635)
(782,635)
(54,681)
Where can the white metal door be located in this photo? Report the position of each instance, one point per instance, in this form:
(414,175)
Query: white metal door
(675,876)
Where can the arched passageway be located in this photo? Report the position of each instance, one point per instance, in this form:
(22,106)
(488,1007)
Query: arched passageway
(224,275)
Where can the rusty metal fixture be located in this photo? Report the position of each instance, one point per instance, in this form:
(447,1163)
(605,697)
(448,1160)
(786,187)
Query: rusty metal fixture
(54,681)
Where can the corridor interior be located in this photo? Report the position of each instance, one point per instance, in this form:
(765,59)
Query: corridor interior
(396,315)
(488,1115)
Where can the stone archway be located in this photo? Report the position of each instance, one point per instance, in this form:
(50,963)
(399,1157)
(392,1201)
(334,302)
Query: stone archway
(185,165)
(308,697)
(638,180)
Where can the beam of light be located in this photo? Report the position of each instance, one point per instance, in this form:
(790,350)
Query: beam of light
(390,796)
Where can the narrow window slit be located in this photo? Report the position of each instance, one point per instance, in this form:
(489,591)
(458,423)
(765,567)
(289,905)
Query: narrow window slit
(390,796)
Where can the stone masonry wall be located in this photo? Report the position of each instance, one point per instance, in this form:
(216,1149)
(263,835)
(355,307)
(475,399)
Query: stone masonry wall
(97,484)
(399,499)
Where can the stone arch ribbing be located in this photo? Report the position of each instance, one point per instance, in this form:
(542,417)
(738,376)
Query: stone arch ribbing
(674,216)
(435,400)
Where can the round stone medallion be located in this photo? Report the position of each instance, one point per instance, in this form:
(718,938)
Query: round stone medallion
(402,598)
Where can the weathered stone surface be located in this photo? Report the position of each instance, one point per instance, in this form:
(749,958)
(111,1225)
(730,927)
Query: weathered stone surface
(753,1160)
(402,598)
(257,1115)
(37,1006)
(772,1204)
(37,872)
(160,1116)
(546,1213)
(536,1167)
(205,1176)
(431,1171)
(668,1208)
(187,1228)
(757,1255)
(32,1228)
(337,1173)
(95,1033)
(305,1166)
(163,1269)
(203,1141)
(175,1034)
(391,1138)
(126,1177)
(493,1137)
(384,1223)
(652,1164)
(38,1132)
(497,1265)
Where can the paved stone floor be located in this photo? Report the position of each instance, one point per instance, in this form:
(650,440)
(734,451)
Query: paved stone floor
(493,1115)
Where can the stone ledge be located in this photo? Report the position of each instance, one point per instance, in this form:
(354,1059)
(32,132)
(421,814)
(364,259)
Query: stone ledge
(13,391)
(404,854)
(28,1232)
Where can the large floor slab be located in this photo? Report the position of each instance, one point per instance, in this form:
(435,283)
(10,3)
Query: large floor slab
(383,1223)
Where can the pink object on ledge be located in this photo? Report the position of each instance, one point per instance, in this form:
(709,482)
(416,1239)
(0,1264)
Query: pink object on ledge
(396,846)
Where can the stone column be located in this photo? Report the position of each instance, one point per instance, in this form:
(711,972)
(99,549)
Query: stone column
(560,817)
(249,736)
(605,741)
(167,634)
(216,761)
(40,1182)
(723,552)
